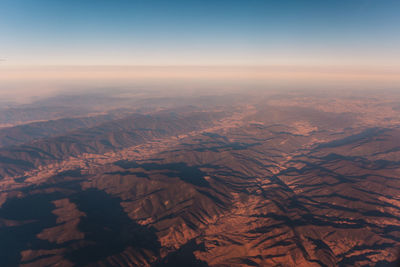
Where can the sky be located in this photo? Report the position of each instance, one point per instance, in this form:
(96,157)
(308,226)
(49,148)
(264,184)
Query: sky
(362,33)
(52,46)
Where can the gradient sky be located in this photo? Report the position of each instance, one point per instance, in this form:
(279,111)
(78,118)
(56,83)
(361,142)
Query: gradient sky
(194,32)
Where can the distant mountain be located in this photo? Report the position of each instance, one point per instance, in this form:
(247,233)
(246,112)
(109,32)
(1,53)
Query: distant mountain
(108,136)
(12,116)
(17,135)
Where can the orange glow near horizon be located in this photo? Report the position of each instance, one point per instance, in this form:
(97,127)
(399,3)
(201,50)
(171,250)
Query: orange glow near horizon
(228,73)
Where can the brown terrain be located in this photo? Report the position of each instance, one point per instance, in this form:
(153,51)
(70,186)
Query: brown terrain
(266,179)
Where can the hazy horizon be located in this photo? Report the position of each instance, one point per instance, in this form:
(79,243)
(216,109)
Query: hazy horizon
(25,83)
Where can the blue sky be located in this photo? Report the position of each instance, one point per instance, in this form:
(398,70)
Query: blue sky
(218,32)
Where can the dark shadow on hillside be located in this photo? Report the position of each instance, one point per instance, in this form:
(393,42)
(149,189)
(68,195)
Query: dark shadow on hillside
(183,257)
(108,229)
(188,174)
(34,214)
